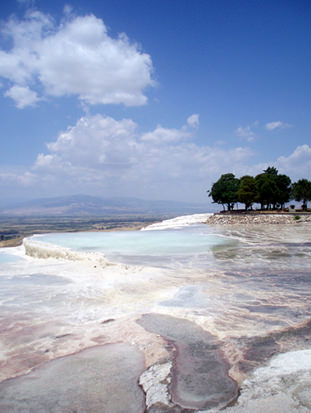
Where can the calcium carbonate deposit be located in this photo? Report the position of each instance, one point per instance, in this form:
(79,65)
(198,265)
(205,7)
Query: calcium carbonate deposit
(179,317)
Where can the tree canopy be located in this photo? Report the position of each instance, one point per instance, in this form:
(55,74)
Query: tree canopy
(247,191)
(272,189)
(224,191)
(284,188)
(301,191)
(269,188)
(266,189)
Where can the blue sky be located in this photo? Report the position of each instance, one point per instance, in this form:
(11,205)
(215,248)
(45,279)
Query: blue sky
(149,98)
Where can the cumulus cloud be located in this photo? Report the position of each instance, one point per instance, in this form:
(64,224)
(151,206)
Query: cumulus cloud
(95,143)
(277,125)
(165,135)
(298,163)
(160,135)
(102,155)
(22,96)
(77,57)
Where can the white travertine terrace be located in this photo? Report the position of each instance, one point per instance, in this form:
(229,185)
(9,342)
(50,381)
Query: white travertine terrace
(179,222)
(250,293)
(37,249)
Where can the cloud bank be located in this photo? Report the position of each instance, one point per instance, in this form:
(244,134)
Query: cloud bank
(104,156)
(100,155)
(77,57)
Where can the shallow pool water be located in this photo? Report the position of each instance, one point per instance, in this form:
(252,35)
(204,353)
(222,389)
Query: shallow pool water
(4,258)
(144,242)
(145,247)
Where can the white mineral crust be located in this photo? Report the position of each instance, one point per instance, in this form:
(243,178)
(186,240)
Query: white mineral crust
(155,382)
(283,386)
(179,222)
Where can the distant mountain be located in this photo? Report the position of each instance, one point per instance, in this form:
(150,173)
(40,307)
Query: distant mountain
(84,205)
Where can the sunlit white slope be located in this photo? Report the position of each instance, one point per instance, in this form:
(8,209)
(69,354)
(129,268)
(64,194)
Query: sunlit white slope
(178,222)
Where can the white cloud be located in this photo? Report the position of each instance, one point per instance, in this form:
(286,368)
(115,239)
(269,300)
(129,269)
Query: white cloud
(105,156)
(245,132)
(11,178)
(163,135)
(298,164)
(22,95)
(108,157)
(277,125)
(95,143)
(193,121)
(44,161)
(78,57)
(166,135)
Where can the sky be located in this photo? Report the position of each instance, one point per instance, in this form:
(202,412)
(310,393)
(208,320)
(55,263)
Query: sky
(153,99)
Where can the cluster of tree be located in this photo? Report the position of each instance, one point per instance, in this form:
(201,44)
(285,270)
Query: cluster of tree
(269,189)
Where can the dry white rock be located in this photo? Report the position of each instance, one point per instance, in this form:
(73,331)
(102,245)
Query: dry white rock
(284,385)
(260,218)
(155,382)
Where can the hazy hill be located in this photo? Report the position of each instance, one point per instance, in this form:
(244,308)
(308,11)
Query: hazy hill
(84,205)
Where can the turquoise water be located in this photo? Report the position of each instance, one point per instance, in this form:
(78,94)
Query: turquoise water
(142,247)
(145,242)
(4,258)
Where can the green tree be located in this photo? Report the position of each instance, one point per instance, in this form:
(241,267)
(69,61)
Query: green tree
(224,191)
(272,189)
(266,189)
(301,191)
(271,170)
(284,187)
(247,191)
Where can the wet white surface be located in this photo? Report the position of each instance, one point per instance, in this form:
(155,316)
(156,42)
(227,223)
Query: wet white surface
(232,282)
